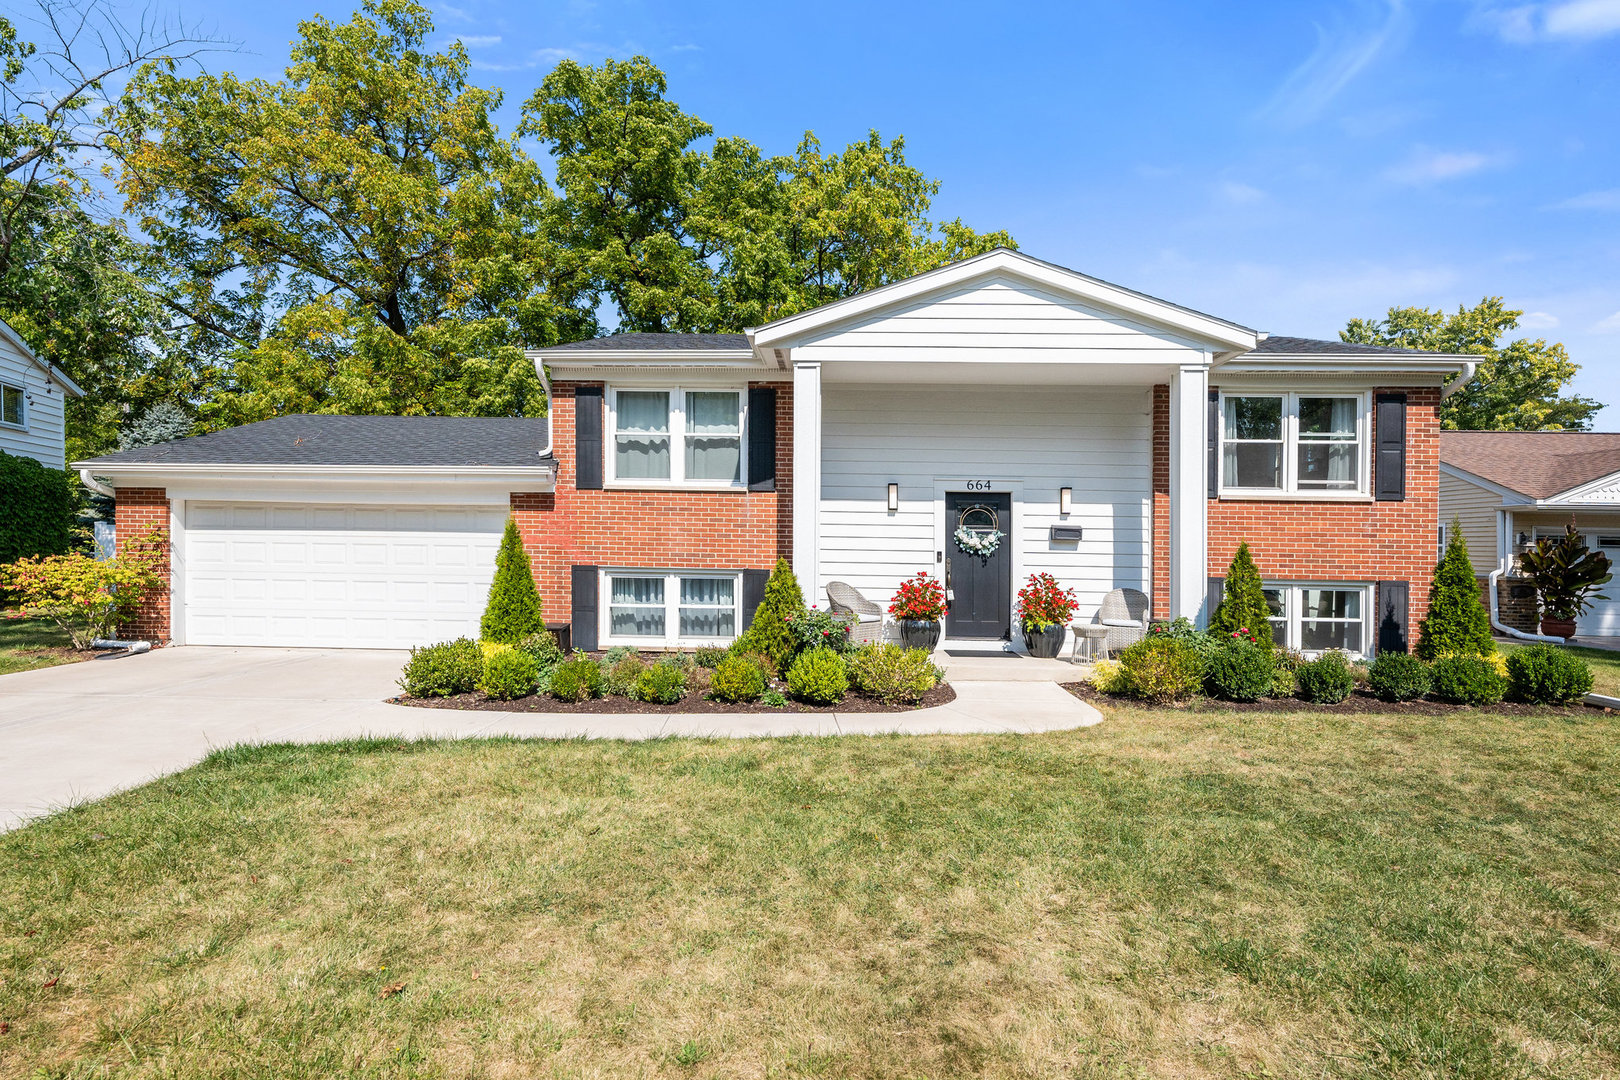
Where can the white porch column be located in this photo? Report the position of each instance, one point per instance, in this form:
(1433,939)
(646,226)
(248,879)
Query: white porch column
(1189,488)
(807,479)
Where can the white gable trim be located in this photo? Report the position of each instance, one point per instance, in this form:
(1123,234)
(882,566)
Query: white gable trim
(1588,491)
(785,333)
(56,374)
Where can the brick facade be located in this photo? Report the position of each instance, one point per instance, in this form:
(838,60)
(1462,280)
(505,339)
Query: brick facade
(652,528)
(138,510)
(1160,590)
(1334,541)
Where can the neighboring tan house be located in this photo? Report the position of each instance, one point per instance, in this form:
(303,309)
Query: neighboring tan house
(1115,440)
(1507,488)
(32,394)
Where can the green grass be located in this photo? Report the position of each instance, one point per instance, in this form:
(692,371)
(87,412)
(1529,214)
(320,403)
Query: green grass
(20,640)
(1168,894)
(1605,665)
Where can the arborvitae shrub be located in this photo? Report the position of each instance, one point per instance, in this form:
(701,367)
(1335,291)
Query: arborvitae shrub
(1243,603)
(513,612)
(1457,622)
(770,632)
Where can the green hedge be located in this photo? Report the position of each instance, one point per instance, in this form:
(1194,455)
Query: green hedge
(38,508)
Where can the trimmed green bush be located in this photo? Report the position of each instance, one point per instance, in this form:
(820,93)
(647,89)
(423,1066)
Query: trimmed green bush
(771,632)
(1543,674)
(818,676)
(1398,676)
(576,679)
(1240,671)
(709,656)
(508,674)
(620,676)
(661,684)
(1324,681)
(543,649)
(892,674)
(1161,669)
(38,509)
(513,612)
(738,678)
(1468,680)
(1243,602)
(443,670)
(1457,622)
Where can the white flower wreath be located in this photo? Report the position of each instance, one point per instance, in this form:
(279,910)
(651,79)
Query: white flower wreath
(978,543)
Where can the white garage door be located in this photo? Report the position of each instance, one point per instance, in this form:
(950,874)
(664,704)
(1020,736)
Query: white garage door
(1604,618)
(335,576)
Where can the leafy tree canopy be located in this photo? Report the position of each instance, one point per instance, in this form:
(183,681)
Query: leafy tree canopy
(1518,386)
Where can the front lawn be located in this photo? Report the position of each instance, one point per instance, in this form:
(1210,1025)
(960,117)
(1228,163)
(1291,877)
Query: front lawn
(1605,665)
(26,644)
(1171,893)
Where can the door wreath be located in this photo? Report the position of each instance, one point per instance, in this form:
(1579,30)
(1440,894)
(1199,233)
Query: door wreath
(977,531)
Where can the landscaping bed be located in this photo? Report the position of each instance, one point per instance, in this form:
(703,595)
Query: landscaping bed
(1359,702)
(854,701)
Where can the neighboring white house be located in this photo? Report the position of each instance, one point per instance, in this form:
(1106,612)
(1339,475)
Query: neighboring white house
(1504,489)
(32,394)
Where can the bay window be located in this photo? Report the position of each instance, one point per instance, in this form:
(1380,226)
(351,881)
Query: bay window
(1316,618)
(659,608)
(674,436)
(1293,443)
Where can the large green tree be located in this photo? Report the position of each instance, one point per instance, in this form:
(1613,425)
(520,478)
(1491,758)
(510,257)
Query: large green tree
(355,237)
(1519,385)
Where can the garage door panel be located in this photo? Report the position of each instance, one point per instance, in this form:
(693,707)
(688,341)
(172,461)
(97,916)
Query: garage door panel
(326,576)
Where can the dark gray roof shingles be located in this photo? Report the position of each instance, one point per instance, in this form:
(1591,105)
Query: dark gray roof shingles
(404,441)
(1301,346)
(636,342)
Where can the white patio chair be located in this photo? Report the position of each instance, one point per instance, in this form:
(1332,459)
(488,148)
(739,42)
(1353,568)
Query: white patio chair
(845,599)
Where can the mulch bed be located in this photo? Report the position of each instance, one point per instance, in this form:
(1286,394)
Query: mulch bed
(1358,702)
(692,703)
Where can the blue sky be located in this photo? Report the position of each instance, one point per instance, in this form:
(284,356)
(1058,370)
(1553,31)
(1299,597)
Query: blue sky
(1285,164)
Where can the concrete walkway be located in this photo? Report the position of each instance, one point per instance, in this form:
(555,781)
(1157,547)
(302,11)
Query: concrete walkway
(77,732)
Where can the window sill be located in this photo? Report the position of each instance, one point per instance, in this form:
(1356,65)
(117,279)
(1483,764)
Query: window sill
(1294,496)
(665,644)
(9,426)
(667,485)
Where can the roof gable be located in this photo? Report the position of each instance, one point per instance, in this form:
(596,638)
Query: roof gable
(1536,464)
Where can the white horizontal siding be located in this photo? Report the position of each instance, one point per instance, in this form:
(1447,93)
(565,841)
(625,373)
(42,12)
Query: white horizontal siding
(1475,509)
(1001,315)
(934,440)
(42,440)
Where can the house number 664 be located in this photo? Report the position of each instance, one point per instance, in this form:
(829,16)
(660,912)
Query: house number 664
(978,485)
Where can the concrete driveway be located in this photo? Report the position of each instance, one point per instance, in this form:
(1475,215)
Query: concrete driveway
(77,732)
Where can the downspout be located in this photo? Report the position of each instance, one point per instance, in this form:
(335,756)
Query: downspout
(102,489)
(1504,533)
(545,384)
(1467,372)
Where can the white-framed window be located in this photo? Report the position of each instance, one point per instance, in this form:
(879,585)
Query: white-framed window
(659,608)
(13,405)
(1314,618)
(674,435)
(1290,443)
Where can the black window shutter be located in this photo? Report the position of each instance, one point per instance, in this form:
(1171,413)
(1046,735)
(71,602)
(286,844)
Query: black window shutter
(762,438)
(587,443)
(1214,440)
(1389,468)
(1392,616)
(584,619)
(1214,593)
(753,593)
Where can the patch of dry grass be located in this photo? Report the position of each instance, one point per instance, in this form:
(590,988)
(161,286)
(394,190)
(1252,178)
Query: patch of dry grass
(1169,894)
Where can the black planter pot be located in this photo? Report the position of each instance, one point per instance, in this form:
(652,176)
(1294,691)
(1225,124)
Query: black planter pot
(1045,644)
(918,633)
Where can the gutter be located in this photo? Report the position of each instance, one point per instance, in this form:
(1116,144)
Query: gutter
(1457,384)
(1504,533)
(95,485)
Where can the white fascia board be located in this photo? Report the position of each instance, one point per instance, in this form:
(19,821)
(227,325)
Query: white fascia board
(1509,496)
(1578,493)
(543,475)
(1384,370)
(56,374)
(673,358)
(784,333)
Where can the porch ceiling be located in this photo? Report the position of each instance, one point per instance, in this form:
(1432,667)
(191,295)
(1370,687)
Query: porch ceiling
(997,373)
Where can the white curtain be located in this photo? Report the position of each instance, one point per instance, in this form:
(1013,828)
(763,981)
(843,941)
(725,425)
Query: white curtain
(708,608)
(642,456)
(713,436)
(636,606)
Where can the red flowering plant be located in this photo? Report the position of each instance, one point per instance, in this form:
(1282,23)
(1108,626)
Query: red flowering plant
(919,598)
(817,629)
(1043,603)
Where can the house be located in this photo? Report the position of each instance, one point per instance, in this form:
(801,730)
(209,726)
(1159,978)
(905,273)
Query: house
(33,394)
(1108,437)
(1505,489)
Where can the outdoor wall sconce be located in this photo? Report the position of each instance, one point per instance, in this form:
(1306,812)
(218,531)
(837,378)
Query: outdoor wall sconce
(1065,500)
(894,496)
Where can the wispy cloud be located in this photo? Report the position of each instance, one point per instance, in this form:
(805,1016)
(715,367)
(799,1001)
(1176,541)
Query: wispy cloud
(1427,166)
(1571,20)
(1611,325)
(1343,50)
(1591,200)
(479,41)
(1538,320)
(1239,193)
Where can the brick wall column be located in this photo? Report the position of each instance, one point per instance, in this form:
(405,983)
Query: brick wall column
(1161,502)
(138,510)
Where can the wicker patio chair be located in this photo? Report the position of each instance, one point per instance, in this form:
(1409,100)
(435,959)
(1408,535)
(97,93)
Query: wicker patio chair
(1125,613)
(846,599)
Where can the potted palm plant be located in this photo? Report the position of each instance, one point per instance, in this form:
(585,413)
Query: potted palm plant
(918,607)
(1044,610)
(1566,576)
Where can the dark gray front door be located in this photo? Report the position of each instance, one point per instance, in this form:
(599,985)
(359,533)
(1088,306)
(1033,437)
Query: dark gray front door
(981,585)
